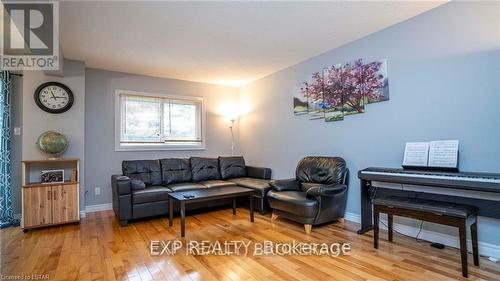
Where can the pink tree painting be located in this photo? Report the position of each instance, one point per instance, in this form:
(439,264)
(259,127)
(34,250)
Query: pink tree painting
(352,84)
(342,89)
(315,97)
(333,93)
(375,81)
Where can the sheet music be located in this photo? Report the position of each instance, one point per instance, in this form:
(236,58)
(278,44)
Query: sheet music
(443,154)
(416,154)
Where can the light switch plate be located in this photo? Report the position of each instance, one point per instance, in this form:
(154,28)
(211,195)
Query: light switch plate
(17,131)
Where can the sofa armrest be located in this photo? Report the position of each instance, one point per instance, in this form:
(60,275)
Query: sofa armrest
(121,184)
(122,198)
(326,190)
(258,172)
(286,185)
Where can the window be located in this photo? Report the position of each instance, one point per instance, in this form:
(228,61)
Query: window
(154,121)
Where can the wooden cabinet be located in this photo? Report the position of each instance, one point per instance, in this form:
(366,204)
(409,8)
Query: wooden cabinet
(57,204)
(37,207)
(50,203)
(64,202)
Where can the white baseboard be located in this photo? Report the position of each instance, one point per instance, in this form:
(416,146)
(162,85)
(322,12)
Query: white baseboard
(485,249)
(352,217)
(95,208)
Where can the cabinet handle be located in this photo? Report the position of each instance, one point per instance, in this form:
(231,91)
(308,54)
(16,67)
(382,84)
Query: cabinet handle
(48,194)
(55,195)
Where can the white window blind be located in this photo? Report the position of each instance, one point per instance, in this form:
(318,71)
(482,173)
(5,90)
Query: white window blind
(157,121)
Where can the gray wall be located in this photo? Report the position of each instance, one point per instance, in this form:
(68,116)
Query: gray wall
(70,123)
(101,159)
(444,82)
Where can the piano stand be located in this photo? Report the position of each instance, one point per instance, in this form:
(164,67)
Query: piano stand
(480,182)
(367,194)
(364,230)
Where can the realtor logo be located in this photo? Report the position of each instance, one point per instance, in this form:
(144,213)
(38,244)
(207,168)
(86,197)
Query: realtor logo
(30,35)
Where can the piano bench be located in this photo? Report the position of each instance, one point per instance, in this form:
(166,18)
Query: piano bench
(447,213)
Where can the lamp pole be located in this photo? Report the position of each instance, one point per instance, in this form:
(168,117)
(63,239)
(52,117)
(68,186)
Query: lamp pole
(232,136)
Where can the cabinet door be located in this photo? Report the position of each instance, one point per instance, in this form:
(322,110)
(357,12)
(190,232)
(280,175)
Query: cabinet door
(64,205)
(37,207)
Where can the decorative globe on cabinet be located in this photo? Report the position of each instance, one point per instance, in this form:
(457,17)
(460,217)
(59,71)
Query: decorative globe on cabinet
(52,143)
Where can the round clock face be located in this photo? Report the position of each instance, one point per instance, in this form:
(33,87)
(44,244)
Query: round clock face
(54,97)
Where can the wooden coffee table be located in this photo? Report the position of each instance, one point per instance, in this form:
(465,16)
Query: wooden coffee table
(208,194)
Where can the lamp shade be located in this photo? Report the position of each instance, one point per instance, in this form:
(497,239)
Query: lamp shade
(229,112)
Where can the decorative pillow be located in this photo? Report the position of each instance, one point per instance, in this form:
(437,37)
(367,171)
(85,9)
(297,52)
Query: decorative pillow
(175,170)
(204,169)
(232,167)
(137,184)
(147,171)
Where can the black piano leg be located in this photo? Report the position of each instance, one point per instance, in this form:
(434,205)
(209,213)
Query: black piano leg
(366,207)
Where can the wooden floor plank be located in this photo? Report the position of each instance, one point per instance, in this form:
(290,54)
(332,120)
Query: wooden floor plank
(100,249)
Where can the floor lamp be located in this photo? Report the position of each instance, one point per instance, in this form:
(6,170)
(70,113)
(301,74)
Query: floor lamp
(232,135)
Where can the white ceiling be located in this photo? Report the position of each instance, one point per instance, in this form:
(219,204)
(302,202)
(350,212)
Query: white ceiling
(229,43)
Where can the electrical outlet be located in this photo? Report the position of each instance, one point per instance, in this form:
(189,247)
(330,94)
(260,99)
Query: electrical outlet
(97,191)
(17,131)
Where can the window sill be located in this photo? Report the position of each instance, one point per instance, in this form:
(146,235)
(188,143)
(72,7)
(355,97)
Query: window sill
(158,147)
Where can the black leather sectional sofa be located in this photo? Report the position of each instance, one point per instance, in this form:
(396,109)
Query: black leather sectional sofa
(142,190)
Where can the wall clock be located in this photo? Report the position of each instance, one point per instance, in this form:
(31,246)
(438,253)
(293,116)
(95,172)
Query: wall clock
(54,97)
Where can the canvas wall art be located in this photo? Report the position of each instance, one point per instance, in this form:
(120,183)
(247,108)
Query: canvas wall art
(315,97)
(353,98)
(376,83)
(342,89)
(333,98)
(300,99)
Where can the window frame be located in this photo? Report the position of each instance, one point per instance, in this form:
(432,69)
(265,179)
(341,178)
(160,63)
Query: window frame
(158,146)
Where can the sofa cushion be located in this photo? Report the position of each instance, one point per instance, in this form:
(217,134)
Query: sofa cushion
(149,194)
(147,171)
(185,186)
(261,187)
(204,169)
(137,185)
(175,170)
(232,167)
(294,202)
(216,183)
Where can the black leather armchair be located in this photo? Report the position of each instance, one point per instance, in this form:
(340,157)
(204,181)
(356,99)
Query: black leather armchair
(316,195)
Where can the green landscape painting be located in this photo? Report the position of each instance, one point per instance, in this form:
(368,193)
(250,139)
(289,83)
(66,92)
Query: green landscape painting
(300,99)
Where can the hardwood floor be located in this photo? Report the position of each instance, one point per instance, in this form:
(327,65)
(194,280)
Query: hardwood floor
(99,249)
